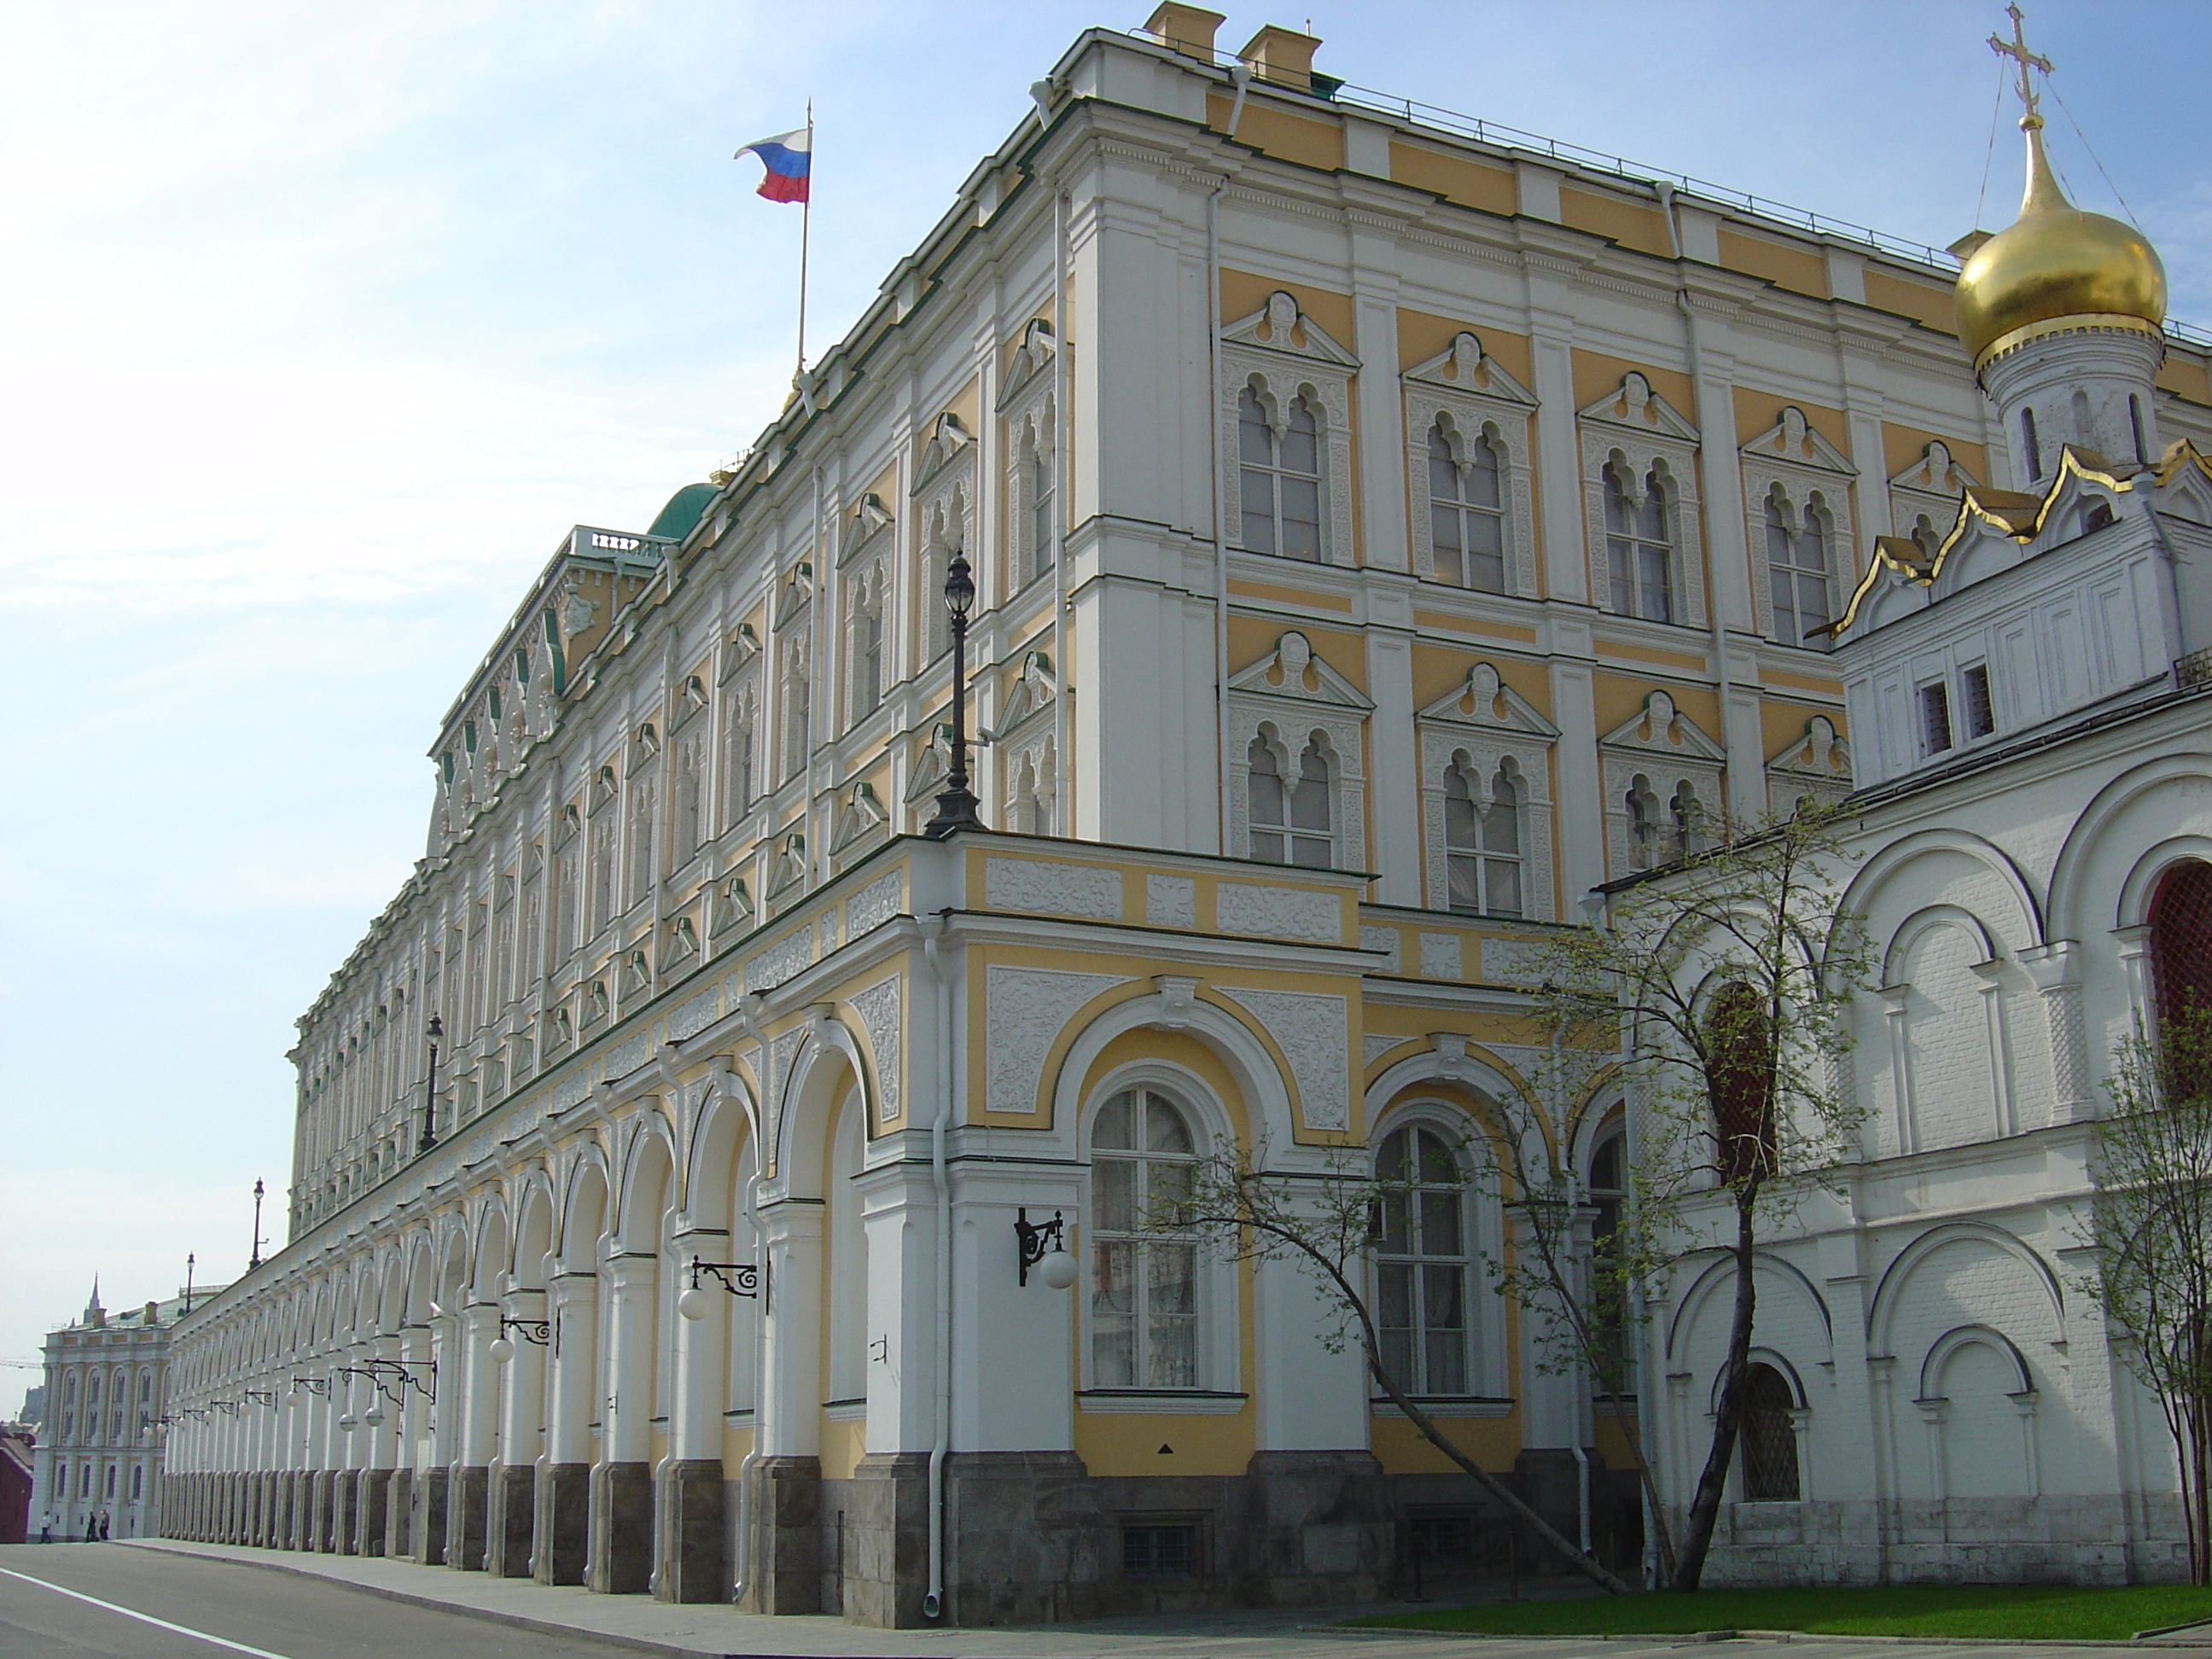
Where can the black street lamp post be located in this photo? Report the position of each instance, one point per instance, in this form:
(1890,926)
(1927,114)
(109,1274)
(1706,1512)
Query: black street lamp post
(430,1090)
(956,802)
(256,1261)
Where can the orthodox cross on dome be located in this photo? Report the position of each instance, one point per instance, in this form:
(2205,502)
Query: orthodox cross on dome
(2016,49)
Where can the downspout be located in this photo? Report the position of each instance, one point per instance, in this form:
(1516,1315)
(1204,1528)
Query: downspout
(1063,804)
(1724,685)
(816,841)
(933,1603)
(1582,1494)
(1222,738)
(733,1084)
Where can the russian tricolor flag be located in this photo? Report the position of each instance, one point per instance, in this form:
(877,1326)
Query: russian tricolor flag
(789,157)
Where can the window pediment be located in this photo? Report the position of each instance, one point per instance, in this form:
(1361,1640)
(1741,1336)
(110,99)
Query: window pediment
(1464,368)
(1031,692)
(1031,358)
(1484,700)
(796,593)
(948,442)
(1280,327)
(1816,762)
(862,526)
(1294,672)
(1633,406)
(1660,728)
(862,816)
(1790,440)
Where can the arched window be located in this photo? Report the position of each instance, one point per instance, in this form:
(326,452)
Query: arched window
(1290,818)
(2030,445)
(1739,1046)
(738,787)
(1640,546)
(1482,844)
(2181,943)
(1467,512)
(690,814)
(1643,847)
(1039,476)
(795,691)
(1280,474)
(109,1492)
(1606,1184)
(867,648)
(1770,1437)
(1421,1262)
(1144,1287)
(1796,570)
(1691,833)
(138,1483)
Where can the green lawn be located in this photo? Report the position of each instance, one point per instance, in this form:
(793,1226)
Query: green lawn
(2032,1610)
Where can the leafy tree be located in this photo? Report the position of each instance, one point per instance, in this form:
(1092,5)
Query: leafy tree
(1723,982)
(2150,1224)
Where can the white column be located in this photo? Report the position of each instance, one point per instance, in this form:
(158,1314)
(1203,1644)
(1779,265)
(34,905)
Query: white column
(789,1410)
(702,1357)
(522,1401)
(627,1435)
(478,1401)
(573,1362)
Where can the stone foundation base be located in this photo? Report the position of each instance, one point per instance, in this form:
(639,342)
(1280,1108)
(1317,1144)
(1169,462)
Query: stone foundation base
(561,1528)
(370,1523)
(509,1514)
(687,1511)
(426,1526)
(620,1559)
(465,1488)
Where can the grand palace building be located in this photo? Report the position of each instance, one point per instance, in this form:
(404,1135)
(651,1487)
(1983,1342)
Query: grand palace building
(1387,529)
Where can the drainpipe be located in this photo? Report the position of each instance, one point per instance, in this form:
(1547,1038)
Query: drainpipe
(933,1604)
(1063,804)
(1222,738)
(1725,686)
(1582,1494)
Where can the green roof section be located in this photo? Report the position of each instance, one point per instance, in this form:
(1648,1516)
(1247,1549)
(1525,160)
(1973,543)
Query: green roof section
(685,508)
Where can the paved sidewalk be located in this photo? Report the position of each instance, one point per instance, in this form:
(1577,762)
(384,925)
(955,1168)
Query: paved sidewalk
(640,1624)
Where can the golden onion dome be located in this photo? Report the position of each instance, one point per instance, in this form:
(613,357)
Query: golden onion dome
(2056,261)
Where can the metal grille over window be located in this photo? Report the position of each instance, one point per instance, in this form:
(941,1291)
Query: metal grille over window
(1935,717)
(1169,1552)
(1144,1288)
(1422,1262)
(1770,1439)
(1981,709)
(1797,570)
(1467,512)
(1482,844)
(1280,472)
(1291,817)
(1639,549)
(2181,941)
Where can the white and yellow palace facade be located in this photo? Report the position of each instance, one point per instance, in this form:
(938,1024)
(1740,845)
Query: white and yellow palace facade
(1386,531)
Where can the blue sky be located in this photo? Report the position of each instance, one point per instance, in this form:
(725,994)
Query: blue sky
(320,324)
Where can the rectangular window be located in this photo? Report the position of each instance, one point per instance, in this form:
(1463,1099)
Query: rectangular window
(1445,1539)
(1981,710)
(1160,1552)
(1935,718)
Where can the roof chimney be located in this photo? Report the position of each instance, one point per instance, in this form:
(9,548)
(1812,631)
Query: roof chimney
(1282,57)
(1185,29)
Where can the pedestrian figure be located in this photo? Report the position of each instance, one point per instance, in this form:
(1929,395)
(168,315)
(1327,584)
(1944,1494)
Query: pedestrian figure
(47,1528)
(92,1529)
(103,1525)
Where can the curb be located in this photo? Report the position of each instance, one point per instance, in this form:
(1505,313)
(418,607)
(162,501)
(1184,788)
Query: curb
(513,1620)
(2149,1638)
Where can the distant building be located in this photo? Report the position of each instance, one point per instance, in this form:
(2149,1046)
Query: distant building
(34,1406)
(16,1446)
(102,1444)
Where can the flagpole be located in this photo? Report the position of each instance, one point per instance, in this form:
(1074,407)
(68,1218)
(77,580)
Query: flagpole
(805,222)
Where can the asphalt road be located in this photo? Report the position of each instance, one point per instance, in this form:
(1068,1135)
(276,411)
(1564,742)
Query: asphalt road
(142,1604)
